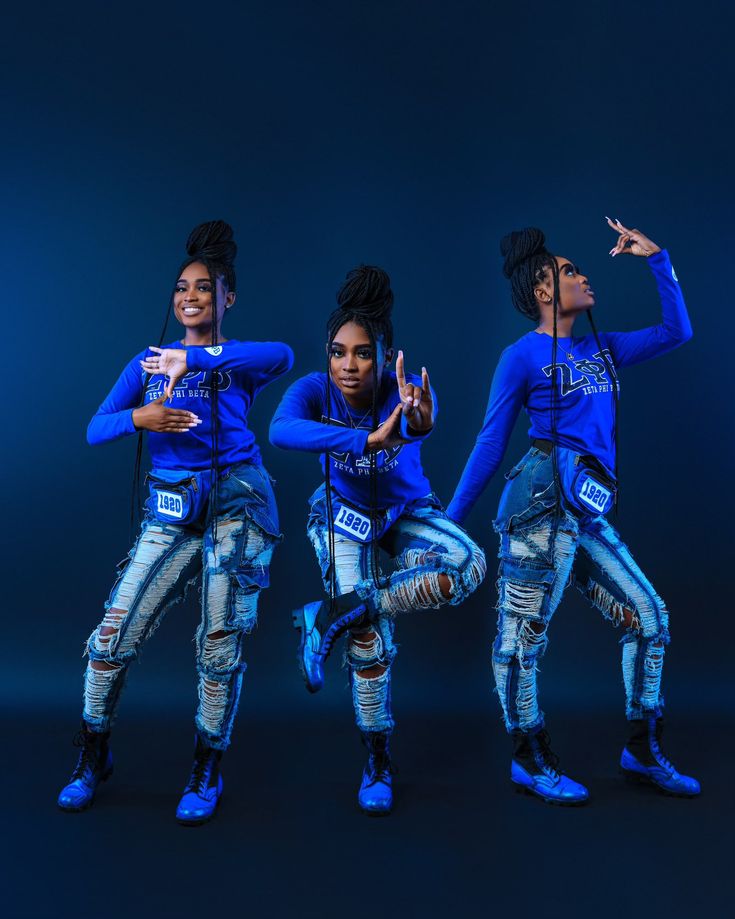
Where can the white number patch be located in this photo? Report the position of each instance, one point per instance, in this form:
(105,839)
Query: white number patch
(170,504)
(594,495)
(352,524)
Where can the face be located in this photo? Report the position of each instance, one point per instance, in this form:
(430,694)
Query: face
(351,363)
(575,293)
(193,297)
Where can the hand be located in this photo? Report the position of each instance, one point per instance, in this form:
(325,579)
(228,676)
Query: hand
(169,361)
(388,434)
(156,416)
(417,401)
(632,242)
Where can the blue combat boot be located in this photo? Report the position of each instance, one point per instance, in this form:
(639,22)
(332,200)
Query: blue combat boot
(643,761)
(321,623)
(375,796)
(204,788)
(93,766)
(533,771)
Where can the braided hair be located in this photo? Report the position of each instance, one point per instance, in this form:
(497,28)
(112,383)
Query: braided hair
(526,263)
(365,298)
(212,244)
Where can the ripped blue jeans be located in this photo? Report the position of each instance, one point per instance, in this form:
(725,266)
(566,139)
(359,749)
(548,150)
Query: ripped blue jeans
(164,562)
(424,544)
(541,551)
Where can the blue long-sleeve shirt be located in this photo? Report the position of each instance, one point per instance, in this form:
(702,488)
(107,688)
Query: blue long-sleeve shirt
(584,406)
(300,423)
(244,368)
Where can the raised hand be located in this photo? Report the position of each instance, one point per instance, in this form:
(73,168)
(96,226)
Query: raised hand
(156,416)
(631,242)
(169,361)
(416,401)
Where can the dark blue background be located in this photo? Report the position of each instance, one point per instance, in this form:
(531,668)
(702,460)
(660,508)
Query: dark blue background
(412,135)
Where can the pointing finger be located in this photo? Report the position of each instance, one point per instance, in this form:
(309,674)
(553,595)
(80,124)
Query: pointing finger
(400,371)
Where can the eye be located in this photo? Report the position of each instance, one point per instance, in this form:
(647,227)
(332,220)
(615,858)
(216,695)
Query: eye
(205,288)
(179,288)
(570,271)
(336,352)
(365,354)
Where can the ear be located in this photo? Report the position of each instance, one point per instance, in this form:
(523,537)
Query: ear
(389,356)
(230,300)
(542,295)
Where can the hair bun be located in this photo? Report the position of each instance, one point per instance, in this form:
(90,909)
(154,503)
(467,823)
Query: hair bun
(366,291)
(520,245)
(212,241)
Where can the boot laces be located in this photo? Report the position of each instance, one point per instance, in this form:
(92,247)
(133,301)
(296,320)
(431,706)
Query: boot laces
(655,741)
(89,754)
(201,770)
(545,756)
(380,768)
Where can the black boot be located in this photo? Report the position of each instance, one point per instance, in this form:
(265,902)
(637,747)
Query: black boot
(643,760)
(93,766)
(204,788)
(375,796)
(533,770)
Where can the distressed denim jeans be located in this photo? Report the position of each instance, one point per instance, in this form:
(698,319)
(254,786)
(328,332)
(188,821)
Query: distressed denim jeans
(167,559)
(423,544)
(541,551)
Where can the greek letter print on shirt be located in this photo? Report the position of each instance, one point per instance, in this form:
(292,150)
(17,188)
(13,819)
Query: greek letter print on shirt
(593,374)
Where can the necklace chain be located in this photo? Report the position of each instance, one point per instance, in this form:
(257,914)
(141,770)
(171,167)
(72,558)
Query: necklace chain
(350,418)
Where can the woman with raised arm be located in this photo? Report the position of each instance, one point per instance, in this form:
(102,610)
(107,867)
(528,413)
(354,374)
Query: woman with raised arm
(551,518)
(368,424)
(211,513)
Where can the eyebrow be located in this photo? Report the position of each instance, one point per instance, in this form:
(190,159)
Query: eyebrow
(198,281)
(567,265)
(338,344)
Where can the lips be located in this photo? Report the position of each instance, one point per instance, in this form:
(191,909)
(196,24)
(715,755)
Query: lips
(349,381)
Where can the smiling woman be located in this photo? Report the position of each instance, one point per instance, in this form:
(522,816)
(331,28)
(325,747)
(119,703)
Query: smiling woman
(210,516)
(369,423)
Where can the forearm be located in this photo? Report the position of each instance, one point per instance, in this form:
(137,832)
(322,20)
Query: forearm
(309,436)
(106,427)
(269,359)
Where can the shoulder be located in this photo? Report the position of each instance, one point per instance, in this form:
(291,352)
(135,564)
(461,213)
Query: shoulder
(311,383)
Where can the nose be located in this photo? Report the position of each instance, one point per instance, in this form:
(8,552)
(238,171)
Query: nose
(349,363)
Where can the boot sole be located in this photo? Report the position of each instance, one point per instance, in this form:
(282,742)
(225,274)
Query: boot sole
(370,813)
(84,807)
(635,778)
(297,617)
(522,790)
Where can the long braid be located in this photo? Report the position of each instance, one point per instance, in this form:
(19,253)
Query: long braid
(615,398)
(135,495)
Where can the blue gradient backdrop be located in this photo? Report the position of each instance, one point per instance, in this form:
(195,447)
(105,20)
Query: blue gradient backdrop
(412,135)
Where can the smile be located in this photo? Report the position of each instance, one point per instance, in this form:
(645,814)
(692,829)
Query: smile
(191,310)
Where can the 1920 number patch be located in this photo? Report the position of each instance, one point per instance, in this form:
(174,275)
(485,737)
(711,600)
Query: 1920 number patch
(171,504)
(352,524)
(594,494)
